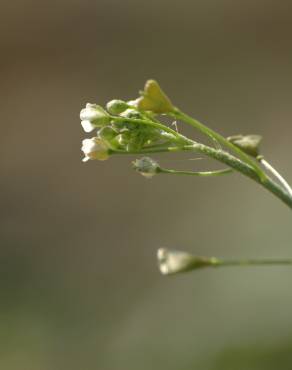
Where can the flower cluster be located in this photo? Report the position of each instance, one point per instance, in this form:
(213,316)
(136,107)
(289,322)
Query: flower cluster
(126,127)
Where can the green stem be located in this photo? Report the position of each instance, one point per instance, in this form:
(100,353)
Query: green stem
(216,262)
(245,169)
(214,135)
(192,173)
(276,174)
(153,150)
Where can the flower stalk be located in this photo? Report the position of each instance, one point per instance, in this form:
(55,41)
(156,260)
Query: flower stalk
(172,262)
(178,114)
(276,174)
(195,173)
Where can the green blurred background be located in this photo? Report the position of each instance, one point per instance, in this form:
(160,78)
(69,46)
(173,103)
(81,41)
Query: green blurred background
(79,284)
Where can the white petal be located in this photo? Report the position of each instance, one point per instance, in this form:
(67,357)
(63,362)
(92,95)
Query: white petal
(86,141)
(133,103)
(89,113)
(88,146)
(87,126)
(95,148)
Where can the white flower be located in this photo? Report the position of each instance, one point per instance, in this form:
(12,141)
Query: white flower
(95,148)
(93,116)
(173,262)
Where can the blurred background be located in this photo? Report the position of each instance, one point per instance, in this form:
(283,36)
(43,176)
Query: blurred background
(79,284)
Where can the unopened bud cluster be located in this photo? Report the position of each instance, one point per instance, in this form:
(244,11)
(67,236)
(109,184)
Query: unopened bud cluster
(120,126)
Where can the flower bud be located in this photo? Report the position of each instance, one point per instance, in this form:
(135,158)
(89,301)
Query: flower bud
(107,133)
(95,148)
(93,116)
(154,99)
(131,113)
(249,143)
(173,262)
(146,166)
(116,106)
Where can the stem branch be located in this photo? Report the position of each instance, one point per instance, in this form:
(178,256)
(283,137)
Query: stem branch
(192,173)
(279,177)
(214,135)
(244,165)
(216,262)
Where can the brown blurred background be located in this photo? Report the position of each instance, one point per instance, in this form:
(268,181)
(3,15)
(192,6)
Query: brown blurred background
(79,283)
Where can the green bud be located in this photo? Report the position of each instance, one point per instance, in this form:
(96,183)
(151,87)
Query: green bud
(116,106)
(107,133)
(154,99)
(249,143)
(131,113)
(172,262)
(146,166)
